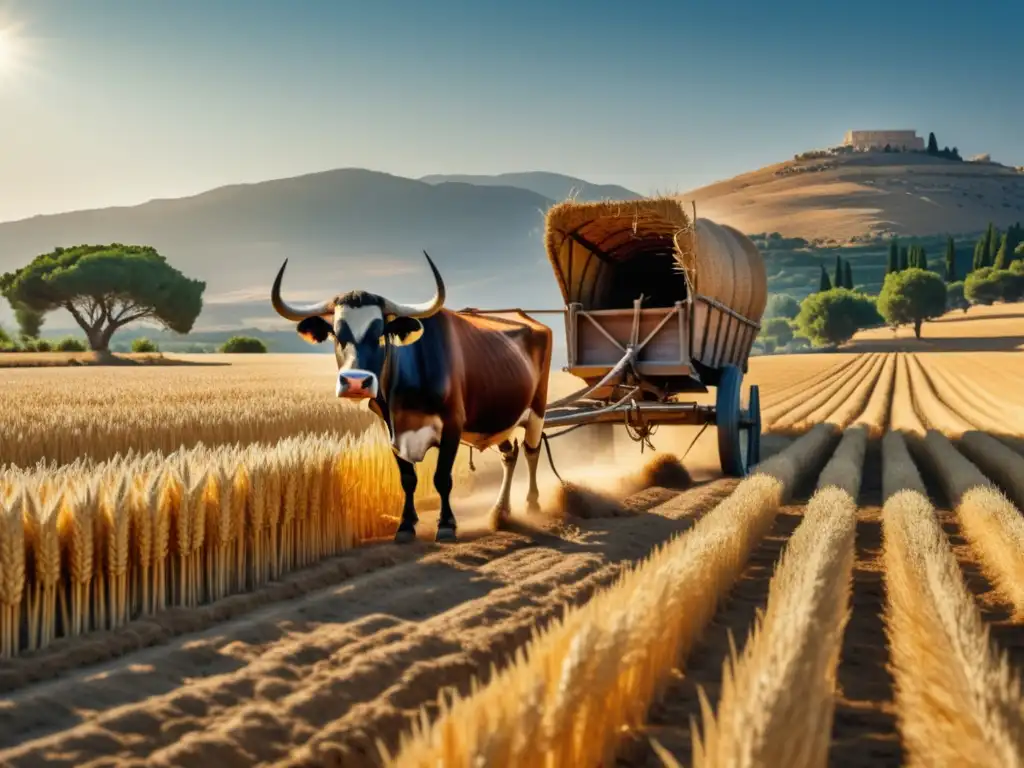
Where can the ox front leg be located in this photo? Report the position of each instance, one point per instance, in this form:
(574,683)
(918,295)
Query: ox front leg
(502,509)
(446,452)
(407,527)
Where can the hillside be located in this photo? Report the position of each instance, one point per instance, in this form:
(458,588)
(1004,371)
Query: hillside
(554,186)
(864,195)
(338,229)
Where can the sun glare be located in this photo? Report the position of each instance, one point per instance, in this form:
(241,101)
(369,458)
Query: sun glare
(13,49)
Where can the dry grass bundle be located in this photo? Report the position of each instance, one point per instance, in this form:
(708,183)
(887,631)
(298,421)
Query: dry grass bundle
(875,415)
(567,697)
(997,461)
(958,701)
(778,697)
(112,542)
(990,523)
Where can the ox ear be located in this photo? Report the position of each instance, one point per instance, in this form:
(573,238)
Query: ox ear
(314,329)
(403,330)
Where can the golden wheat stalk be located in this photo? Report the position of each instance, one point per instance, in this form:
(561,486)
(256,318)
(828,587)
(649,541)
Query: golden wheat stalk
(958,701)
(777,699)
(598,669)
(991,524)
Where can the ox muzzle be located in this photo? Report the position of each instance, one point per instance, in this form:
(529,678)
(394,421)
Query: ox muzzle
(356,384)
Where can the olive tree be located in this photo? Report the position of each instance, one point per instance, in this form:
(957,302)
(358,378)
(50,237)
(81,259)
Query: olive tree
(912,296)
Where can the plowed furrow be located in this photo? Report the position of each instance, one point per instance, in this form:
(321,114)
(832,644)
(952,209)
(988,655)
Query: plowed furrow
(797,413)
(875,415)
(339,668)
(778,394)
(800,397)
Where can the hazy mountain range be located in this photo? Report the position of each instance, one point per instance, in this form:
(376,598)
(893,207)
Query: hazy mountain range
(353,227)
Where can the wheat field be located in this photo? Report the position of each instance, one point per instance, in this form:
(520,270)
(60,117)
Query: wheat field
(196,569)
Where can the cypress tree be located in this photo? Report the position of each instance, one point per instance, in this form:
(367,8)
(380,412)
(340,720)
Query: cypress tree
(848,275)
(1002,259)
(912,256)
(894,257)
(837,278)
(950,260)
(903,258)
(991,244)
(825,284)
(933,145)
(922,258)
(979,255)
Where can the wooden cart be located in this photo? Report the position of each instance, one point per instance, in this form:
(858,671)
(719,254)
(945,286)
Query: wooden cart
(658,305)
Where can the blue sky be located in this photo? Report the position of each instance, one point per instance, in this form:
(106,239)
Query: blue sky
(113,103)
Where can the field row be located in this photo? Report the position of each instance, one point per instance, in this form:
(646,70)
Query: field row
(439,616)
(949,392)
(595,673)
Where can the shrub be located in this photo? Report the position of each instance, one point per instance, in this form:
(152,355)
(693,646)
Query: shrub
(70,344)
(42,345)
(988,285)
(912,295)
(832,317)
(782,305)
(955,298)
(243,345)
(778,330)
(143,344)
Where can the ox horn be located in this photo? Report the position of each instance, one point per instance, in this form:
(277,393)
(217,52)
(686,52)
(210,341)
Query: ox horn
(290,312)
(427,308)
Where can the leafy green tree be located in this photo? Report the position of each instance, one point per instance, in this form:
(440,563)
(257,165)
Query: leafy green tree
(894,257)
(30,321)
(824,284)
(105,287)
(951,261)
(243,345)
(847,275)
(779,329)
(955,298)
(70,344)
(912,296)
(832,317)
(782,305)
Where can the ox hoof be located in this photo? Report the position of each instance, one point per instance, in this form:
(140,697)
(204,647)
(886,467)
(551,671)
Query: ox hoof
(533,508)
(446,533)
(405,536)
(499,515)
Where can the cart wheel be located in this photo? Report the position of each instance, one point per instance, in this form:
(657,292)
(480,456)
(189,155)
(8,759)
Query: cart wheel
(753,427)
(739,430)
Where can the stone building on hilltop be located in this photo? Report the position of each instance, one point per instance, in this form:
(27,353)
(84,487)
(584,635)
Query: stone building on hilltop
(865,140)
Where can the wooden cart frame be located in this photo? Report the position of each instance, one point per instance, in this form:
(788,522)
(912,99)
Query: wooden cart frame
(638,362)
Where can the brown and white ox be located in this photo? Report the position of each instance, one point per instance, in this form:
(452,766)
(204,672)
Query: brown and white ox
(436,378)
